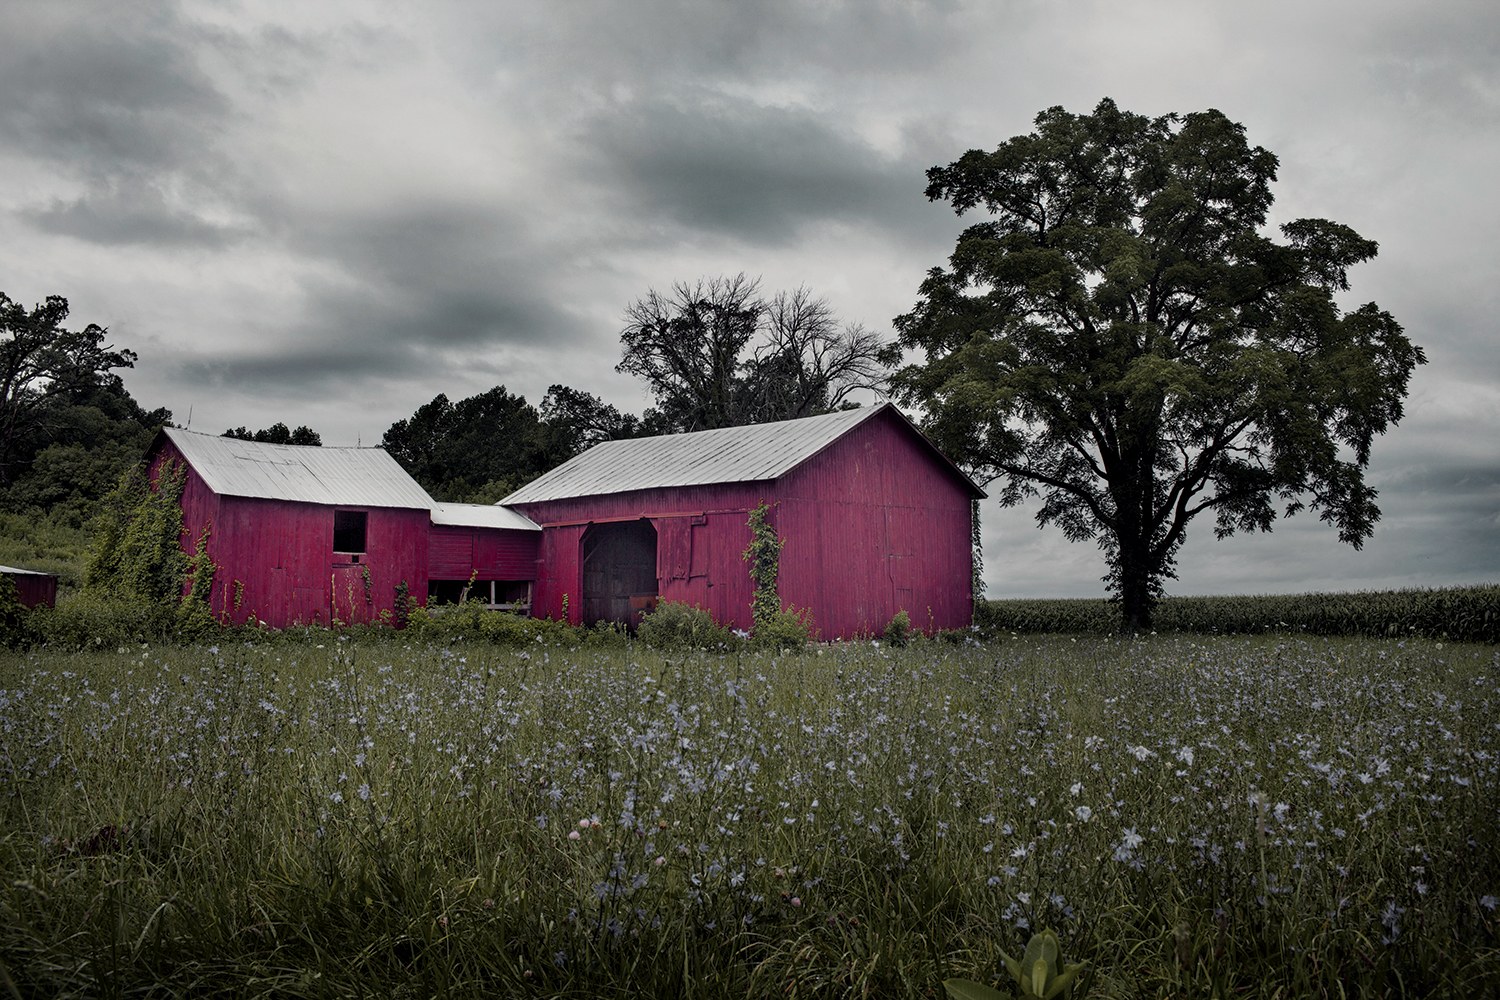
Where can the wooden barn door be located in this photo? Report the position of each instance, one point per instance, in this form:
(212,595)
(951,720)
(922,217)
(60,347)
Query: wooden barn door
(349,603)
(619,563)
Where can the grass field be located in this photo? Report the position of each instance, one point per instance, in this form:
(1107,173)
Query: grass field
(1247,816)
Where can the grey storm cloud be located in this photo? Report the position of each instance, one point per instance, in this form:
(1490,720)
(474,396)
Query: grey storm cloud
(120,214)
(100,94)
(735,166)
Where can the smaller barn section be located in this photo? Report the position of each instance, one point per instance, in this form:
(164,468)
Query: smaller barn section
(483,551)
(299,535)
(33,588)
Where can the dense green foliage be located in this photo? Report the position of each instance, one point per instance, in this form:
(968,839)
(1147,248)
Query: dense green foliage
(1462,614)
(773,626)
(480,449)
(764,557)
(679,626)
(1247,817)
(278,433)
(1121,339)
(52,541)
(70,427)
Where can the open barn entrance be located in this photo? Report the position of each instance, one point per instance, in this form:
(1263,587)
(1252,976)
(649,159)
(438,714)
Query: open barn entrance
(619,571)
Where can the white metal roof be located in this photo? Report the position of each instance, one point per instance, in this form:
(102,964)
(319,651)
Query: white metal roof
(482,515)
(356,477)
(12,571)
(726,455)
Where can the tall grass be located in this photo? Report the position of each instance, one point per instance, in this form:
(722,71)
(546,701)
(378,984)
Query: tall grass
(1462,614)
(1257,816)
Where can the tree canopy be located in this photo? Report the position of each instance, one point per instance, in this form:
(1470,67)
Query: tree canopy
(484,447)
(716,354)
(278,433)
(68,427)
(1122,339)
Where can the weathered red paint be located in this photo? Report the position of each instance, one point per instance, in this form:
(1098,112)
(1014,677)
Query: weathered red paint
(459,553)
(275,561)
(876,523)
(33,589)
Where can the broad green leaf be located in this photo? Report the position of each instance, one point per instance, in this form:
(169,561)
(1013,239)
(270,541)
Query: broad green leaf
(967,989)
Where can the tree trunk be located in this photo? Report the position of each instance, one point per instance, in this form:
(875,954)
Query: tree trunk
(1136,601)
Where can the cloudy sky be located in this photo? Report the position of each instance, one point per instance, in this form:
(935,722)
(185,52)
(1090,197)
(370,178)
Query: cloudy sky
(327,213)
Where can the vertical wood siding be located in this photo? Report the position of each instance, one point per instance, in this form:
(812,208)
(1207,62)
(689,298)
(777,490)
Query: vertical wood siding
(874,525)
(456,553)
(34,589)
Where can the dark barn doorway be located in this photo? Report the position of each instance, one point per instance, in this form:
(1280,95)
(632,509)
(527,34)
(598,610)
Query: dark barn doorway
(619,571)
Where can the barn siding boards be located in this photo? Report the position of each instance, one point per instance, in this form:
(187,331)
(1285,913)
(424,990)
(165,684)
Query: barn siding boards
(457,553)
(885,508)
(875,521)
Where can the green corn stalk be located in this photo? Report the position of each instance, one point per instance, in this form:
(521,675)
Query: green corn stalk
(1040,973)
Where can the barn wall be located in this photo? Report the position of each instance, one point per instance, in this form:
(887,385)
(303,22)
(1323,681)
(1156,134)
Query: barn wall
(701,533)
(281,552)
(875,524)
(456,553)
(33,589)
(200,505)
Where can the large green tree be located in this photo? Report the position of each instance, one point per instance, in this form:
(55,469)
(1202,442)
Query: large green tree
(1124,339)
(58,386)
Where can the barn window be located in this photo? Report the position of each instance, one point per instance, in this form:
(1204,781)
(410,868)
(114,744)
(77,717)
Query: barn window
(349,530)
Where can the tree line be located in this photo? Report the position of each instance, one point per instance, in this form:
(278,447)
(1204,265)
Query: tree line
(1119,339)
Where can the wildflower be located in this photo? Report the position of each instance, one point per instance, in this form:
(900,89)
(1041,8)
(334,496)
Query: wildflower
(796,901)
(1140,753)
(573,835)
(1075,789)
(1131,839)
(1489,902)
(364,793)
(336,798)
(1084,814)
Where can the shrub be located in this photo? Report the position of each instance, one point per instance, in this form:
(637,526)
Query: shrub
(679,626)
(472,620)
(789,629)
(90,619)
(898,632)
(15,630)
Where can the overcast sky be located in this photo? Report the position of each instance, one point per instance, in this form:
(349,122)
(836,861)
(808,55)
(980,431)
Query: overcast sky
(327,213)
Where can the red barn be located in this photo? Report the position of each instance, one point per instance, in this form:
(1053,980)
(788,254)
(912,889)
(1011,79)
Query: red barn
(299,534)
(874,518)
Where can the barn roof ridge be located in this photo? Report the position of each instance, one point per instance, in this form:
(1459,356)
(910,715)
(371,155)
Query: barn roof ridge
(336,476)
(747,453)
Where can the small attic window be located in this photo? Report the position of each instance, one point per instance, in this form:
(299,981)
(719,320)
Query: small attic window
(349,530)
